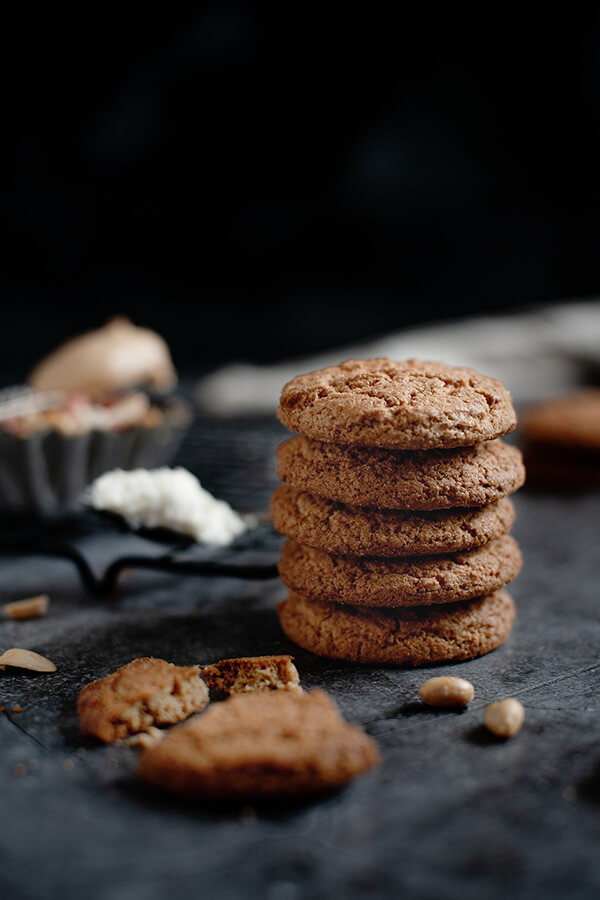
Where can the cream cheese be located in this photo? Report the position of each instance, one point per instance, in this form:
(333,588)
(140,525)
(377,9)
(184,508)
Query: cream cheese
(167,498)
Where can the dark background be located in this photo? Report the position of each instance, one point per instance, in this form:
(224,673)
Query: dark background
(255,182)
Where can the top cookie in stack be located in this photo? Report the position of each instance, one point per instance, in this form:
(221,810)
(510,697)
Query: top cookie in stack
(396,505)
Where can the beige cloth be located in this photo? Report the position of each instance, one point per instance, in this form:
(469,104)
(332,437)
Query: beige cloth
(535,354)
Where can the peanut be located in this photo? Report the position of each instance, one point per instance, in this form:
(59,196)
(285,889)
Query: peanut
(504,718)
(447,691)
(26,659)
(30,608)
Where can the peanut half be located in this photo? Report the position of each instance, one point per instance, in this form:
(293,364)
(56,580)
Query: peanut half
(30,608)
(504,718)
(447,691)
(26,659)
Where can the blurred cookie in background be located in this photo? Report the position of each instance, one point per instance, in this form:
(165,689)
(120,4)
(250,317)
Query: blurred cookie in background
(561,441)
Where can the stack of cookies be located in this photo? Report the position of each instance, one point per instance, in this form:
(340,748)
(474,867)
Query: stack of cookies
(395,503)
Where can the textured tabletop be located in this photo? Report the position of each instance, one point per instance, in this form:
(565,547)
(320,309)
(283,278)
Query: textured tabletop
(450,813)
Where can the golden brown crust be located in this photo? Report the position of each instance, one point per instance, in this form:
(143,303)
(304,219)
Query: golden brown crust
(403,637)
(364,531)
(399,405)
(252,673)
(143,693)
(261,745)
(437,479)
(400,581)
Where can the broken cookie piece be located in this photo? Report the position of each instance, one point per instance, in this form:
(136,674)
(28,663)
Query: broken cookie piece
(144,693)
(261,745)
(252,673)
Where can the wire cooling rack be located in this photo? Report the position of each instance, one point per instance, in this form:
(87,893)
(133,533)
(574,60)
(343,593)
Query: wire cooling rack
(160,551)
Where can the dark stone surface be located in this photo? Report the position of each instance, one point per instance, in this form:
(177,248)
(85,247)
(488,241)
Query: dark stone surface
(450,813)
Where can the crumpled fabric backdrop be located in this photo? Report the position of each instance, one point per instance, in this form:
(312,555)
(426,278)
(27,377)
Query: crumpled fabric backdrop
(535,354)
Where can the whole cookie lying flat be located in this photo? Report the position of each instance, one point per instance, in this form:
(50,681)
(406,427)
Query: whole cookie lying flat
(407,405)
(261,745)
(570,421)
(415,637)
(562,442)
(400,581)
(437,479)
(144,693)
(360,531)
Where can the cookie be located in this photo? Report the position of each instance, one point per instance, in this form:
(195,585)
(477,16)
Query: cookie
(572,421)
(411,405)
(400,581)
(360,531)
(437,479)
(252,673)
(261,745)
(406,637)
(562,442)
(144,693)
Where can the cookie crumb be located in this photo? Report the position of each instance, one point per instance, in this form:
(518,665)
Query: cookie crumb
(68,765)
(145,738)
(17,709)
(20,769)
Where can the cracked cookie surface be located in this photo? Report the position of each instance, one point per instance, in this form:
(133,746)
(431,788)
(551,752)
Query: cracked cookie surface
(399,405)
(408,637)
(360,531)
(141,694)
(399,581)
(436,479)
(261,745)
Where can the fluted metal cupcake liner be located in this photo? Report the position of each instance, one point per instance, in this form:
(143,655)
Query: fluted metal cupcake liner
(46,474)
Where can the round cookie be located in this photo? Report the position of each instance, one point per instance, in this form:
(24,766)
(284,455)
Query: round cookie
(562,442)
(436,479)
(408,581)
(360,531)
(572,421)
(261,745)
(415,637)
(411,405)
